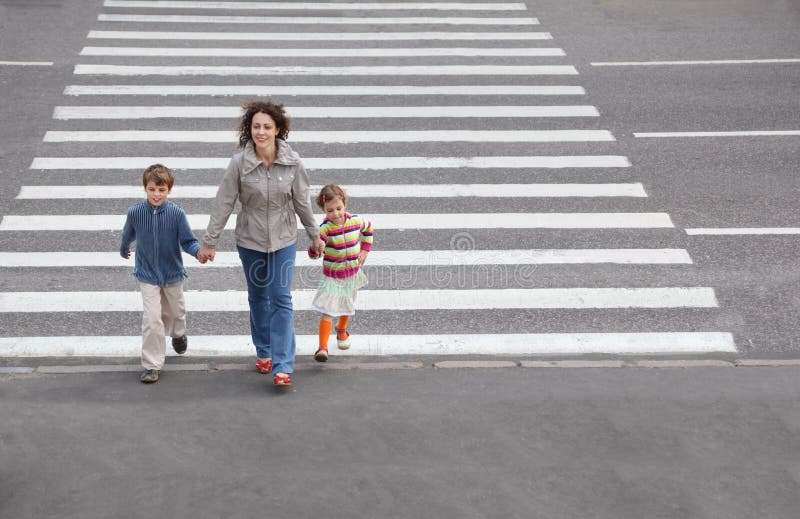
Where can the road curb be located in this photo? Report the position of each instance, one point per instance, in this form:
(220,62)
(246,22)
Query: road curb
(213,367)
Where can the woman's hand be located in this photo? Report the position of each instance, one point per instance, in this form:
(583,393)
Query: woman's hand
(319,247)
(205,254)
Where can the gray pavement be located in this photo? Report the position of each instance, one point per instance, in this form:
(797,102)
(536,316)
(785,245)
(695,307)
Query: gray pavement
(617,443)
(398,437)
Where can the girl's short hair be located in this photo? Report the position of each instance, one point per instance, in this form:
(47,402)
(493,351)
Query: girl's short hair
(328,193)
(159,174)
(274,110)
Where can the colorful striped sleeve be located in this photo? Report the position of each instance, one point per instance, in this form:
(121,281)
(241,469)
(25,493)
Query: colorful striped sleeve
(366,234)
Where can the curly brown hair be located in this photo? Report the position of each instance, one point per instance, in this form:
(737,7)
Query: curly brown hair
(328,193)
(273,110)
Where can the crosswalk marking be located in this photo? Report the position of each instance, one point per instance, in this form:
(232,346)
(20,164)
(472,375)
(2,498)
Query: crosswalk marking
(375,300)
(634,189)
(325,90)
(694,62)
(631,343)
(344,163)
(461,58)
(721,231)
(65,113)
(741,133)
(395,258)
(318,6)
(339,137)
(316,20)
(27,63)
(294,70)
(319,36)
(110,222)
(362,52)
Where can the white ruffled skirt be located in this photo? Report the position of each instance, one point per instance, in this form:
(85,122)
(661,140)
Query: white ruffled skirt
(337,296)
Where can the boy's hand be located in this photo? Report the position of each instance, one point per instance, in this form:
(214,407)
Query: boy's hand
(362,257)
(205,254)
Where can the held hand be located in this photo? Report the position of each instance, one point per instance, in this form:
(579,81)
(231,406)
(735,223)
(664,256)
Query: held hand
(319,247)
(205,254)
(362,257)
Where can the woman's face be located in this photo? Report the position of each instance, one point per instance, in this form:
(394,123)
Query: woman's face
(263,130)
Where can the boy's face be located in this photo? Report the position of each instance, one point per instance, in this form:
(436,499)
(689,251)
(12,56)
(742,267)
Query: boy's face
(156,193)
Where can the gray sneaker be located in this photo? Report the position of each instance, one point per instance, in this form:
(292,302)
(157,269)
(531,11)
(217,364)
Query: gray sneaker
(179,344)
(149,376)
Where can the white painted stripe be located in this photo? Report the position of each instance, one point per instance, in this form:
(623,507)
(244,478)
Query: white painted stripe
(692,62)
(743,230)
(753,133)
(346,163)
(392,258)
(319,36)
(378,345)
(27,63)
(364,52)
(356,191)
(325,90)
(395,300)
(314,20)
(108,222)
(338,137)
(317,6)
(289,70)
(322,112)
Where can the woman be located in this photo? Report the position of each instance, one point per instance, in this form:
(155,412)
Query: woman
(270,182)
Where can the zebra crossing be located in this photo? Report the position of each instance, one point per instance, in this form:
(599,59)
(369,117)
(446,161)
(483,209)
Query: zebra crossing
(507,222)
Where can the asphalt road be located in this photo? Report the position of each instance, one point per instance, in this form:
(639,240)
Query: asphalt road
(620,443)
(699,182)
(699,442)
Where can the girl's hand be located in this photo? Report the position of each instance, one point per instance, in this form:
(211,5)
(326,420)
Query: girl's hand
(362,257)
(319,247)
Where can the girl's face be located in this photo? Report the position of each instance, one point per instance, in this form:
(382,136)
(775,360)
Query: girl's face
(334,210)
(263,130)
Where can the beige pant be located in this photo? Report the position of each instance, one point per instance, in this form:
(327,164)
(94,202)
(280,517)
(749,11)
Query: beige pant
(164,315)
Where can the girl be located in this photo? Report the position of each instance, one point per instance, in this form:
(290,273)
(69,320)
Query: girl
(348,239)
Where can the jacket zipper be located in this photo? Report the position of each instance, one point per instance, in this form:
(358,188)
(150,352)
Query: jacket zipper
(155,246)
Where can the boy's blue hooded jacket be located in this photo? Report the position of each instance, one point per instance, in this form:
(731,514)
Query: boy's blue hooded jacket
(160,234)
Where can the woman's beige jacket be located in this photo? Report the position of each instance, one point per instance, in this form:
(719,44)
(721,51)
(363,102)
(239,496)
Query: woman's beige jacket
(270,198)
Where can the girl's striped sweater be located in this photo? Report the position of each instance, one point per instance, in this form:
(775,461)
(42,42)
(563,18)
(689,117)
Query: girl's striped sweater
(343,244)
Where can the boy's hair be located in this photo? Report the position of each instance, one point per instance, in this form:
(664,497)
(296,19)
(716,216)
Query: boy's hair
(159,174)
(274,110)
(328,193)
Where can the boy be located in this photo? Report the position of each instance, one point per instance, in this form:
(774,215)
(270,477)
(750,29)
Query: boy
(161,230)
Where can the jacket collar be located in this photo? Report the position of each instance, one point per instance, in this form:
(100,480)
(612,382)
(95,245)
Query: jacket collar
(159,208)
(286,156)
(347,216)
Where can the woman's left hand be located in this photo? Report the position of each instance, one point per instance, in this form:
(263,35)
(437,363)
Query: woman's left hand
(318,247)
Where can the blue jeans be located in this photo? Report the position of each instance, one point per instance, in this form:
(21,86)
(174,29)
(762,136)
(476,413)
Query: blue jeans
(269,293)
